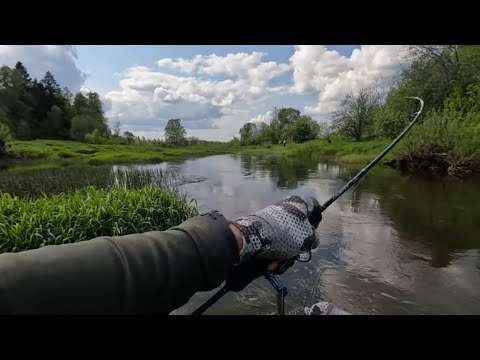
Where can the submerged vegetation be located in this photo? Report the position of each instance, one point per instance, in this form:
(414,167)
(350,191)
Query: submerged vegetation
(67,180)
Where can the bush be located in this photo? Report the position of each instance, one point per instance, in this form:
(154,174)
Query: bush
(444,141)
(389,122)
(5,134)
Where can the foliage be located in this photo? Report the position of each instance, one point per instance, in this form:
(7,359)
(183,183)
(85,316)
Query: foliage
(27,223)
(446,78)
(446,141)
(354,118)
(5,134)
(35,109)
(247,133)
(285,124)
(175,133)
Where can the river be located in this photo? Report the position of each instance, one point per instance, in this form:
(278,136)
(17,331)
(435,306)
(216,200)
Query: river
(394,244)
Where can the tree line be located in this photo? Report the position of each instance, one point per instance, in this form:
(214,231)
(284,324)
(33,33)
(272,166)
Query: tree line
(33,109)
(40,109)
(446,77)
(286,124)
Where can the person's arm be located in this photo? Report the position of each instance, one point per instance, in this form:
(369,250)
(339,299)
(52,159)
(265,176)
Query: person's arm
(154,272)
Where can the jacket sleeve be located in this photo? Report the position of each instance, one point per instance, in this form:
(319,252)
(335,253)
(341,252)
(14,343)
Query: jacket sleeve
(154,272)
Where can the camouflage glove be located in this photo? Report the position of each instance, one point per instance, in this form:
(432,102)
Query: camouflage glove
(324,308)
(279,232)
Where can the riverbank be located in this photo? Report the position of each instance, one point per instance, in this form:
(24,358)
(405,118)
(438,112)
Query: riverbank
(40,154)
(55,153)
(340,151)
(59,153)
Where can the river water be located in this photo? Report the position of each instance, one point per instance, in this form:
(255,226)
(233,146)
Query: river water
(395,244)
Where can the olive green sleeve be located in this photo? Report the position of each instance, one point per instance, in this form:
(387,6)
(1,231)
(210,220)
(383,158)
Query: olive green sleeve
(154,272)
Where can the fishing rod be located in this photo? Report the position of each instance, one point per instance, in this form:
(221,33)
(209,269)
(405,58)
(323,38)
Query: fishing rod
(314,219)
(364,171)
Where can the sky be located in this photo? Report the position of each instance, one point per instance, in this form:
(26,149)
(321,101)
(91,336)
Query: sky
(214,90)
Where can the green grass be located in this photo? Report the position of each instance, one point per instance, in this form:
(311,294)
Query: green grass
(344,151)
(57,153)
(71,152)
(28,223)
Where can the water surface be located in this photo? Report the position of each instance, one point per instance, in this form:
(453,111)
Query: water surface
(395,244)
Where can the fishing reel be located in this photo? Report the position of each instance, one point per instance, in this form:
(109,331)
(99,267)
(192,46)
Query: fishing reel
(315,218)
(244,273)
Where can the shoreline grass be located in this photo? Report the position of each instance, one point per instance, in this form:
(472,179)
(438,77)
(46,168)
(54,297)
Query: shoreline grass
(341,151)
(68,153)
(61,180)
(59,153)
(29,223)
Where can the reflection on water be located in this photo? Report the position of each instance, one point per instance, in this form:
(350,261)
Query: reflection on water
(393,245)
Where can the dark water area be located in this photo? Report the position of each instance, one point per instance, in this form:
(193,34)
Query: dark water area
(394,244)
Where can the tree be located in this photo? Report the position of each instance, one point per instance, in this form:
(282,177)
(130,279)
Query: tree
(54,121)
(117,125)
(445,57)
(50,84)
(354,118)
(175,133)
(80,104)
(22,70)
(304,128)
(264,134)
(82,125)
(129,137)
(15,99)
(247,133)
(192,140)
(280,119)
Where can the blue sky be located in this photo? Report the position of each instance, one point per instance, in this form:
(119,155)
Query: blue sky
(102,62)
(214,90)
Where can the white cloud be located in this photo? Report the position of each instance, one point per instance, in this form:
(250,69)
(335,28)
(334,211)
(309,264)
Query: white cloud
(215,95)
(60,60)
(148,98)
(180,64)
(262,118)
(314,67)
(318,69)
(240,65)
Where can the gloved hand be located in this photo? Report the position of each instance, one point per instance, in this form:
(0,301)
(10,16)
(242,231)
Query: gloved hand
(324,308)
(279,232)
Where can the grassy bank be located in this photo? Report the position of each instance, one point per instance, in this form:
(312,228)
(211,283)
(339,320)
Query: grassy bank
(58,152)
(55,152)
(344,151)
(28,223)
